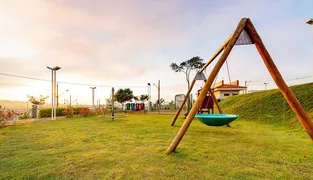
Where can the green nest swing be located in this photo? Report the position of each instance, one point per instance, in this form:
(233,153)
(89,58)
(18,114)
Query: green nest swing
(216,119)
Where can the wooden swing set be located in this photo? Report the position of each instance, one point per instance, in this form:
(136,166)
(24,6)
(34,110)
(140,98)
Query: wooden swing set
(245,33)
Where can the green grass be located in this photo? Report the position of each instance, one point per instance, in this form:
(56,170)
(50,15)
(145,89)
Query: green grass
(270,106)
(134,147)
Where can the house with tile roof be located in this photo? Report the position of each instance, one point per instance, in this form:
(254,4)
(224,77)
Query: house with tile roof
(222,90)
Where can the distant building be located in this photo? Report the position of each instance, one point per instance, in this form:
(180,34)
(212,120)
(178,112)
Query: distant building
(221,90)
(179,98)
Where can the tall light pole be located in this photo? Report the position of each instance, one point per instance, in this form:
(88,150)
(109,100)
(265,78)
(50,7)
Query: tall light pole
(159,104)
(53,97)
(246,85)
(265,85)
(310,22)
(112,100)
(66,100)
(58,96)
(149,96)
(73,101)
(93,95)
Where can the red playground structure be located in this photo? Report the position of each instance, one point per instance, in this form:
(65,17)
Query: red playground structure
(207,104)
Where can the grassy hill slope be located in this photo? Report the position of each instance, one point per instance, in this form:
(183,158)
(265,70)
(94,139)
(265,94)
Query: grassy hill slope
(269,106)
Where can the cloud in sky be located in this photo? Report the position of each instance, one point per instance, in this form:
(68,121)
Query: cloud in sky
(133,42)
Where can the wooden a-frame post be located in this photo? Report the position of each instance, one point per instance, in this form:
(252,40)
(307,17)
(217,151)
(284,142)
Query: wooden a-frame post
(194,80)
(246,24)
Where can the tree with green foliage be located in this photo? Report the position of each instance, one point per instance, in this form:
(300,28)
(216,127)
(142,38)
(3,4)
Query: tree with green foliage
(36,101)
(187,67)
(123,95)
(144,97)
(157,102)
(172,105)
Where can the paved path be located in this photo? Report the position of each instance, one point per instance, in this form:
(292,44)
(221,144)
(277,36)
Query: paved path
(9,123)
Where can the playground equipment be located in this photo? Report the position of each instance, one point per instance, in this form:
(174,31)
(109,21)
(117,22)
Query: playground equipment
(207,105)
(211,119)
(216,119)
(245,33)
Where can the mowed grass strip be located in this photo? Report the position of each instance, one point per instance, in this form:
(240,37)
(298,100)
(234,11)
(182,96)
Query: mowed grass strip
(134,147)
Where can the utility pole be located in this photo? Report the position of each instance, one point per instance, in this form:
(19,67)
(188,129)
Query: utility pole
(93,95)
(57,94)
(53,93)
(149,96)
(310,22)
(52,97)
(159,96)
(70,100)
(265,85)
(112,103)
(246,85)
(158,86)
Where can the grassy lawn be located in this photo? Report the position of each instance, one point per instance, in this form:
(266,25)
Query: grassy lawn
(134,147)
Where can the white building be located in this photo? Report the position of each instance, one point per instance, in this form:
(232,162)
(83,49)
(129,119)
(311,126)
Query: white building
(221,90)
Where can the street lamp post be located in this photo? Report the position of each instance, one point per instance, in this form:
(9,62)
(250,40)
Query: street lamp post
(112,100)
(246,85)
(93,95)
(159,104)
(66,102)
(58,96)
(53,97)
(149,96)
(310,22)
(73,101)
(265,85)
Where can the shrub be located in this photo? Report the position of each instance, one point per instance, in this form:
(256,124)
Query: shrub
(6,115)
(77,110)
(25,115)
(85,112)
(69,112)
(46,112)
(100,110)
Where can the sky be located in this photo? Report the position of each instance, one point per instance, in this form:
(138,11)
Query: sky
(129,43)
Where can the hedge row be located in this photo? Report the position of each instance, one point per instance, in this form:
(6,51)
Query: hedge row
(46,112)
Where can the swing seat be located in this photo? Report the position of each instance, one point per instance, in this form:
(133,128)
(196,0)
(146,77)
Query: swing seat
(216,119)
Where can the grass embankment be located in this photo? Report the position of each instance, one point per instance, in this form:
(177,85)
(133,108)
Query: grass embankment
(270,106)
(134,148)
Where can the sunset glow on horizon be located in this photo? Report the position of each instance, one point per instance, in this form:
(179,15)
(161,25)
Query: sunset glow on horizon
(132,43)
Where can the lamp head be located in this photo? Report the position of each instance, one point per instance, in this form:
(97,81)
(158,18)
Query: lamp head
(54,68)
